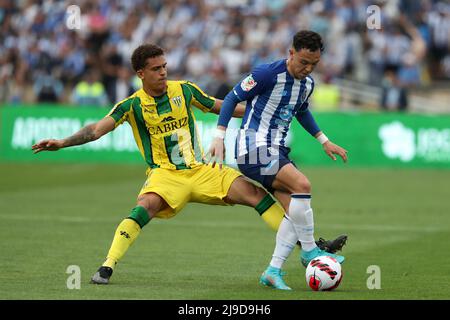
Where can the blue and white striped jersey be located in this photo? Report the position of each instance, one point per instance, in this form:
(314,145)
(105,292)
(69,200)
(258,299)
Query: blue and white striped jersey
(273,98)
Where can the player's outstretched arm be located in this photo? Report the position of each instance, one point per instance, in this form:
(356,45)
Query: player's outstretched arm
(86,134)
(227,110)
(238,112)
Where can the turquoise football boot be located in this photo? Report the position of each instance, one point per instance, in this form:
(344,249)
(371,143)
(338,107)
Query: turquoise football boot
(273,277)
(307,256)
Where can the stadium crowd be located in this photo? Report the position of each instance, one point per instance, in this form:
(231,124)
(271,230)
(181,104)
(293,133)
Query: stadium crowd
(211,42)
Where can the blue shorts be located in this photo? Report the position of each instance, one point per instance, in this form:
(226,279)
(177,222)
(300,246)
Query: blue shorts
(263,164)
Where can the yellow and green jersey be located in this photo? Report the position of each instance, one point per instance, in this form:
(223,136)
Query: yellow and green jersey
(164,127)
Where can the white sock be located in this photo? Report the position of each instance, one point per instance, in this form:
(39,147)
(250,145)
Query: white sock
(301,215)
(285,242)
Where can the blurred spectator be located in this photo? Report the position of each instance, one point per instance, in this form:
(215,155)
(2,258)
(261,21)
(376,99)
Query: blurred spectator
(197,62)
(110,63)
(199,34)
(439,22)
(90,91)
(6,72)
(219,85)
(47,88)
(72,53)
(326,95)
(405,73)
(411,66)
(394,96)
(122,86)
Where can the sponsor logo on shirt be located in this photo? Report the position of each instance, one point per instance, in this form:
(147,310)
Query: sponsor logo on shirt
(177,100)
(248,83)
(286,112)
(168,124)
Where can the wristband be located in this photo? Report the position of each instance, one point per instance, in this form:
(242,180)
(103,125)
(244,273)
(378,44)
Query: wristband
(322,138)
(220,134)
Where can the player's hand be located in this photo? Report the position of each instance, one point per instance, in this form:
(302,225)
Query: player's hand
(216,152)
(331,149)
(47,145)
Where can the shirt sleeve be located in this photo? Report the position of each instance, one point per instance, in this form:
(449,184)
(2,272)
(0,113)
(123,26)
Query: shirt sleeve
(200,99)
(253,84)
(120,112)
(305,117)
(227,109)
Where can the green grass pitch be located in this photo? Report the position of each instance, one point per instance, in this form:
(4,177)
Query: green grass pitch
(54,216)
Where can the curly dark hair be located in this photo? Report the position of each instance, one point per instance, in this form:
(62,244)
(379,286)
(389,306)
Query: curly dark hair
(142,53)
(306,39)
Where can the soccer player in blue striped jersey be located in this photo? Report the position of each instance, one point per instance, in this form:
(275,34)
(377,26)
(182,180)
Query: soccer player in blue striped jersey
(276,93)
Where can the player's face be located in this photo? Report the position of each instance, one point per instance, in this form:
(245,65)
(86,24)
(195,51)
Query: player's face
(154,74)
(302,62)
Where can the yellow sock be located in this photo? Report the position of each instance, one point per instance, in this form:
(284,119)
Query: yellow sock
(127,231)
(273,216)
(271,212)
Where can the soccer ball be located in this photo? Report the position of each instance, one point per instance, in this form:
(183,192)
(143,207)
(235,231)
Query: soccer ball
(323,273)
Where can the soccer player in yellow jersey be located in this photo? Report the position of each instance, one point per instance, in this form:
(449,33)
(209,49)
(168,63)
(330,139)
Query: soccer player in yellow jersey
(163,123)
